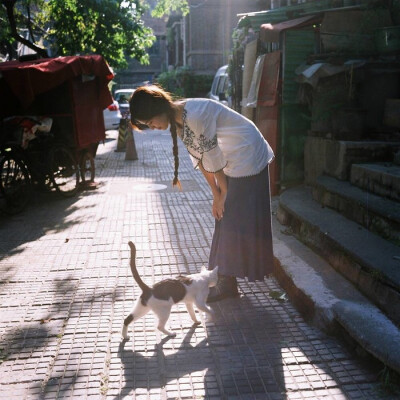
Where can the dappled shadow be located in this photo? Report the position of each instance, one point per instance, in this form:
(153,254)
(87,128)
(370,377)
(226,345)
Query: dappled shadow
(47,339)
(239,355)
(255,346)
(46,215)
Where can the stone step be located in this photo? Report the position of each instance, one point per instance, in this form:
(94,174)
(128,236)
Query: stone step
(368,261)
(335,157)
(323,293)
(329,300)
(382,179)
(377,214)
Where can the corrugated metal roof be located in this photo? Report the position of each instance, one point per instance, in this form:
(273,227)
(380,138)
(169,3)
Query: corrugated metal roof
(256,19)
(271,32)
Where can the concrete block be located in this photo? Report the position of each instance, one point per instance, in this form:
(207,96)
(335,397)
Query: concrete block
(379,178)
(335,157)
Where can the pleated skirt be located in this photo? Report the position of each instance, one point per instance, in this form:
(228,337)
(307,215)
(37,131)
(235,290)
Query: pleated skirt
(242,239)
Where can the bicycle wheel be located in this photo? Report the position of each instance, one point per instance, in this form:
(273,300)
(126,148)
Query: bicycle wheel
(87,167)
(64,171)
(15,184)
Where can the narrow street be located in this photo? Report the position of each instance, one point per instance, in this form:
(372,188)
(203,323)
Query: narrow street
(66,287)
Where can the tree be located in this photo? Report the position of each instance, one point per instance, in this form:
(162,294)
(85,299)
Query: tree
(11,19)
(112,28)
(166,7)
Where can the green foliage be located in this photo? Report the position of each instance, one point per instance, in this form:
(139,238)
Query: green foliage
(111,28)
(165,7)
(26,16)
(183,82)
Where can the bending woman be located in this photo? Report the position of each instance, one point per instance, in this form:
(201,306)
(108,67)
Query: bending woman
(233,156)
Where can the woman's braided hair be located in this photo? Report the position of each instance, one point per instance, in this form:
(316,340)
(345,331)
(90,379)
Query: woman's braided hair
(149,101)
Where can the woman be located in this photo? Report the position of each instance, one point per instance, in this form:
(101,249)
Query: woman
(233,156)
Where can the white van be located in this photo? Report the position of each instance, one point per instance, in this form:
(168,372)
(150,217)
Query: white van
(220,86)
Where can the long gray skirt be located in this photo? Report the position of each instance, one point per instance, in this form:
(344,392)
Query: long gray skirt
(242,240)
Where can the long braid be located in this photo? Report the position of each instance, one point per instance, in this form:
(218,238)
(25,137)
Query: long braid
(149,101)
(174,135)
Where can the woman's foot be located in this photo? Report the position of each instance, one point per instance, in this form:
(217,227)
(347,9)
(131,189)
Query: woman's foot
(226,287)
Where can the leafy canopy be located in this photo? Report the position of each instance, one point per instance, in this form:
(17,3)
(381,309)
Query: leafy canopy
(112,28)
(165,7)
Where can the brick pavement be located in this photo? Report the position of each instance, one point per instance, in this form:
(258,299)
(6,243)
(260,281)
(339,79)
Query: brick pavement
(66,287)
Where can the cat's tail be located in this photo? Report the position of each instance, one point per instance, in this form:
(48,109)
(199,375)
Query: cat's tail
(134,270)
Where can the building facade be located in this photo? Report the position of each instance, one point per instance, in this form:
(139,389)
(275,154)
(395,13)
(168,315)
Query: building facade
(137,73)
(202,40)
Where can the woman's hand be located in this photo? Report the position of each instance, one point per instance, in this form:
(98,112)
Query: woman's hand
(218,206)
(219,189)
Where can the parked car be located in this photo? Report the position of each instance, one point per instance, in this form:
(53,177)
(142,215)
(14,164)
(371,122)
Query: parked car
(112,116)
(220,86)
(123,96)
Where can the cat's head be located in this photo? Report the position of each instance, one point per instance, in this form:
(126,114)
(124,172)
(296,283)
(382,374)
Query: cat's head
(212,275)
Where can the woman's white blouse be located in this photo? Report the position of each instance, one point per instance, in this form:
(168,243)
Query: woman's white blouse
(222,139)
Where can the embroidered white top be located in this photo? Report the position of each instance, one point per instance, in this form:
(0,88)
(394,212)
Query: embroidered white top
(221,138)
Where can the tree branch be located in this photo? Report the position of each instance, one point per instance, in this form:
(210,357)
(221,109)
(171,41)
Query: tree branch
(29,22)
(9,4)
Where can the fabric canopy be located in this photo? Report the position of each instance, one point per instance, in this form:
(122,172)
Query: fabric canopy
(31,78)
(73,91)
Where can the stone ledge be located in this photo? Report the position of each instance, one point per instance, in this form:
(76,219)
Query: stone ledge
(377,214)
(328,299)
(365,259)
(335,157)
(382,179)
(323,294)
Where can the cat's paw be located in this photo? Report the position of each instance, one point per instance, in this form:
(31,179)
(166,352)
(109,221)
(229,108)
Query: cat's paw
(171,334)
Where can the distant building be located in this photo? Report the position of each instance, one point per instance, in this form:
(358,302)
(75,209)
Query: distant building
(137,73)
(203,38)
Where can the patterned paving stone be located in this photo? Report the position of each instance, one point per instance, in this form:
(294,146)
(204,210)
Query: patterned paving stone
(66,286)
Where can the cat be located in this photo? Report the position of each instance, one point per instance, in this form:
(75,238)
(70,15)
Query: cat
(190,289)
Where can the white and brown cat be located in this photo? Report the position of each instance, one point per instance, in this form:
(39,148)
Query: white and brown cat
(189,289)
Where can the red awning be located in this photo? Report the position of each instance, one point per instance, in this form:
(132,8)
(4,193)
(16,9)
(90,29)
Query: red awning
(31,78)
(271,33)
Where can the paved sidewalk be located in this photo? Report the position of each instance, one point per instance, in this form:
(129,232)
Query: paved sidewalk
(66,287)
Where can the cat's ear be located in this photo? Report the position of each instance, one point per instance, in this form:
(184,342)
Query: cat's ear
(215,270)
(204,269)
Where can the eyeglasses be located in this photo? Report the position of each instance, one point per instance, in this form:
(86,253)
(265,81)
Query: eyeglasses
(143,125)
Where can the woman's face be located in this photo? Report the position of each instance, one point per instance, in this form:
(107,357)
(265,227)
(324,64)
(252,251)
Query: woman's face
(157,122)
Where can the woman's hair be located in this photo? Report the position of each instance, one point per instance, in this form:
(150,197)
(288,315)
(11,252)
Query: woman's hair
(149,101)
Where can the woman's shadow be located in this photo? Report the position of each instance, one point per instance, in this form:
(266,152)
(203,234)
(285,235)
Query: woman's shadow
(235,356)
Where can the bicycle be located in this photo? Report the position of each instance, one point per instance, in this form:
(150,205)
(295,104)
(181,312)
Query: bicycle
(44,162)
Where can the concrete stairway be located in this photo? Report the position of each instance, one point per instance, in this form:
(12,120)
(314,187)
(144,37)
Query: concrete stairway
(354,225)
(382,179)
(376,213)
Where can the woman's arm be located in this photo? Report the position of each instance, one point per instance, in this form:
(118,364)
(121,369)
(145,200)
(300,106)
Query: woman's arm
(219,187)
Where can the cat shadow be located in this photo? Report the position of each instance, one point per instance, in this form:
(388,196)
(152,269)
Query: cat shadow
(228,349)
(152,368)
